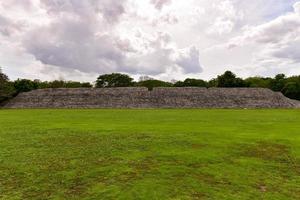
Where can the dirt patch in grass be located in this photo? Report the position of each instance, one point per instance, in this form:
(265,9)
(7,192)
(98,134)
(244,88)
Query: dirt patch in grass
(213,181)
(146,164)
(198,196)
(10,180)
(268,151)
(139,169)
(264,188)
(77,188)
(272,152)
(279,159)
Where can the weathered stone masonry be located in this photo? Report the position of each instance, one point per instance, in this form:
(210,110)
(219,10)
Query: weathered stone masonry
(158,98)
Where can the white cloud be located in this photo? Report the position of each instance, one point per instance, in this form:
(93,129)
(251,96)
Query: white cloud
(162,38)
(159,4)
(277,39)
(297,7)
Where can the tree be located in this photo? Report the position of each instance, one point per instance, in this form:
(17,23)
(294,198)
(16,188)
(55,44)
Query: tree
(213,83)
(86,85)
(25,85)
(278,83)
(259,82)
(114,80)
(229,79)
(150,84)
(72,84)
(57,84)
(6,87)
(226,80)
(179,84)
(75,84)
(190,82)
(292,90)
(3,77)
(41,84)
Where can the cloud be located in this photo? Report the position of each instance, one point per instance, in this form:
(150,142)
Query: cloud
(8,27)
(72,44)
(189,60)
(24,4)
(79,43)
(289,51)
(297,7)
(278,38)
(159,4)
(159,54)
(111,10)
(5,26)
(75,38)
(162,38)
(230,15)
(167,19)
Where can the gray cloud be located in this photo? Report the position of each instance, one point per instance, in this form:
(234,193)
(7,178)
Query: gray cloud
(77,38)
(8,26)
(72,44)
(165,19)
(289,51)
(159,4)
(190,61)
(111,10)
(25,4)
(5,26)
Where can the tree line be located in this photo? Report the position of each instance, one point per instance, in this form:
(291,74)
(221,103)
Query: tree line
(289,86)
(9,89)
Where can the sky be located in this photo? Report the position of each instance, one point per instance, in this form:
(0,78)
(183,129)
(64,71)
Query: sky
(164,39)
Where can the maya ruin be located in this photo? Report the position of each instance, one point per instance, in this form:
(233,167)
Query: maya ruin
(157,98)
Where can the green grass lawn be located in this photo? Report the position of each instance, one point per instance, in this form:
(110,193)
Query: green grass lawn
(150,154)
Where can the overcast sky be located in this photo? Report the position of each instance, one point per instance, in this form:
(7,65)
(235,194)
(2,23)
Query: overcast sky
(165,39)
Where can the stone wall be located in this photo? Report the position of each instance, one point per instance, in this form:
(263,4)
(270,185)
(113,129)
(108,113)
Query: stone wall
(158,98)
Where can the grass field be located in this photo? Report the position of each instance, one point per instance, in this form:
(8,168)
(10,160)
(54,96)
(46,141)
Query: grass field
(149,154)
